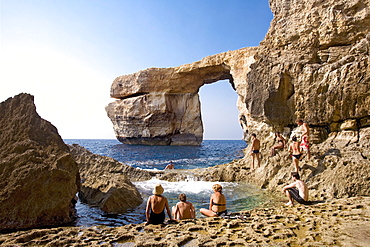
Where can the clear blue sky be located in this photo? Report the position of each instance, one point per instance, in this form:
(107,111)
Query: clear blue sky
(67,53)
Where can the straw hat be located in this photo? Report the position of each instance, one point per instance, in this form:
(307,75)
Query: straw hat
(158,190)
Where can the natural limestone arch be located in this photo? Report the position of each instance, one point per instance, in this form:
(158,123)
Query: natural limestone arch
(160,106)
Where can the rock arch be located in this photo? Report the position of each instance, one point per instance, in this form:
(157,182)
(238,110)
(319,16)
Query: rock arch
(160,106)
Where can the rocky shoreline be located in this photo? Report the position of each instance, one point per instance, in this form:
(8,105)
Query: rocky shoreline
(339,222)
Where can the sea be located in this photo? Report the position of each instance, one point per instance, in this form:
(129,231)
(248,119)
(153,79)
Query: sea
(240,196)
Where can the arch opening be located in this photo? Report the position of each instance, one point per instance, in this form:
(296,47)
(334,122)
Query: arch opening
(219,112)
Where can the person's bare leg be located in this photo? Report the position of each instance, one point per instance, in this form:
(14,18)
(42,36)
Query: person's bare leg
(258,159)
(295,163)
(253,155)
(207,212)
(290,203)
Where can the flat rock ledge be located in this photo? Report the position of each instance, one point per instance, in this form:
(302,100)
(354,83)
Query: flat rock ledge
(340,222)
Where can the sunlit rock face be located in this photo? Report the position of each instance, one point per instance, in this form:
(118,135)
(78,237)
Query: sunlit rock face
(161,106)
(313,64)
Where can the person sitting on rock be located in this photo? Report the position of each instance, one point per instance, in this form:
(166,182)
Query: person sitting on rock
(296,152)
(155,207)
(297,190)
(183,209)
(217,203)
(281,142)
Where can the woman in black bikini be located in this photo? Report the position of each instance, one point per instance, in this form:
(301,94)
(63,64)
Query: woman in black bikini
(217,203)
(296,152)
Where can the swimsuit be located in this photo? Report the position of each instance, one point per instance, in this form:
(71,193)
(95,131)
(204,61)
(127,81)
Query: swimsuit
(295,195)
(217,204)
(297,156)
(157,218)
(255,151)
(305,144)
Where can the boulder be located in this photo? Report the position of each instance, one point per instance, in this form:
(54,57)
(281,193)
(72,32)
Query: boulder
(106,183)
(39,178)
(112,193)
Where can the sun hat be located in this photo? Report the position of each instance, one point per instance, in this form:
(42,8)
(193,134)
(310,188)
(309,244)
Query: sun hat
(158,190)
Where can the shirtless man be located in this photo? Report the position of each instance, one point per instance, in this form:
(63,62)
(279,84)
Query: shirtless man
(183,209)
(305,142)
(255,150)
(297,190)
(170,166)
(155,207)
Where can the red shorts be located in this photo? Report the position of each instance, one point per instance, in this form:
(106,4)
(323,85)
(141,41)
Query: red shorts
(305,145)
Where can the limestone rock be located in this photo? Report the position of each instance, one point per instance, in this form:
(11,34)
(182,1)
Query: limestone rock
(106,183)
(157,119)
(161,106)
(38,176)
(112,193)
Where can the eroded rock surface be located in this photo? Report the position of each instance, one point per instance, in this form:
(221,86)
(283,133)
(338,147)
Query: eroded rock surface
(161,106)
(38,176)
(106,183)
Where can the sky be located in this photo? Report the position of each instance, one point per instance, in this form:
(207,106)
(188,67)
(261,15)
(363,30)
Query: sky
(68,52)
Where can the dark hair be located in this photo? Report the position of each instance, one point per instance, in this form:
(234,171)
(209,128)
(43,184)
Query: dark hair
(253,135)
(299,121)
(295,175)
(294,138)
(182,197)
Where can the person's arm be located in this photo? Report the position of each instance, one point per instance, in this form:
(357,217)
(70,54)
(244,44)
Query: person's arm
(253,145)
(292,185)
(168,209)
(211,202)
(176,212)
(148,205)
(290,148)
(192,211)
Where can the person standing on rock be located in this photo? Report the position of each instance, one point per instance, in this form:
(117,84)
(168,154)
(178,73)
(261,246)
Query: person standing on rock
(155,207)
(281,142)
(217,203)
(305,137)
(183,209)
(255,150)
(296,152)
(297,190)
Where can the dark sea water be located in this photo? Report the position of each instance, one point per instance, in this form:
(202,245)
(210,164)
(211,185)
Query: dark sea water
(210,153)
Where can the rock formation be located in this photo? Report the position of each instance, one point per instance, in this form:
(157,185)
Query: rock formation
(106,183)
(313,64)
(161,106)
(38,177)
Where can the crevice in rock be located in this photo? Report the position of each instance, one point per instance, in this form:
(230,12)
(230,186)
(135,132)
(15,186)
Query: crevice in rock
(133,95)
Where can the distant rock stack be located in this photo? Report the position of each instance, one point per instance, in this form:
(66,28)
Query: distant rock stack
(39,178)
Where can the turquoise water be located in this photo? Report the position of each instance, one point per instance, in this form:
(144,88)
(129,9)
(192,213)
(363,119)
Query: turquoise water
(239,196)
